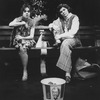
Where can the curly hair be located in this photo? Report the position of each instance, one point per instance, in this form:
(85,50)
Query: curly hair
(23,8)
(60,6)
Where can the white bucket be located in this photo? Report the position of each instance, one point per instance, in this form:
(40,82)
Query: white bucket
(53,88)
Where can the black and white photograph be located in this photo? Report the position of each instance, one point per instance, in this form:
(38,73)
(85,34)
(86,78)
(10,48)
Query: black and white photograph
(49,49)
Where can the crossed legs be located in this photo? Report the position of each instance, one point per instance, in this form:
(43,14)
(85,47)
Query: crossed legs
(64,61)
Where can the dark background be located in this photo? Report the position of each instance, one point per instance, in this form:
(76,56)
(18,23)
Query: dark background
(87,10)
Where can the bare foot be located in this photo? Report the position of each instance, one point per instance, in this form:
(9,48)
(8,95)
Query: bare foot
(24,77)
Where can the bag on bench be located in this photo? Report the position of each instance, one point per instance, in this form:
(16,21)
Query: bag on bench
(85,70)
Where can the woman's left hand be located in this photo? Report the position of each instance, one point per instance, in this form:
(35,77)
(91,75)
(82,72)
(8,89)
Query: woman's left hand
(18,37)
(57,37)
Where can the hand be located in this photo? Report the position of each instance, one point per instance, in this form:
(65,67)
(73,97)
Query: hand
(24,23)
(58,41)
(18,37)
(50,27)
(57,37)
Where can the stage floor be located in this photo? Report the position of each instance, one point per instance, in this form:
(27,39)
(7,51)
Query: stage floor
(12,88)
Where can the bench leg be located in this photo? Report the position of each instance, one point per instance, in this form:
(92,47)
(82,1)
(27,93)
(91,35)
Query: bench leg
(43,56)
(43,66)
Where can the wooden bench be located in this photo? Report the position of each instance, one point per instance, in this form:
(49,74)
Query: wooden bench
(12,54)
(86,34)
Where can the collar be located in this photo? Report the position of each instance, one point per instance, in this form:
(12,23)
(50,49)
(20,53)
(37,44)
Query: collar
(69,15)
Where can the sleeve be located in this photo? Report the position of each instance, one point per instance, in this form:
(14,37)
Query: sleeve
(55,25)
(74,27)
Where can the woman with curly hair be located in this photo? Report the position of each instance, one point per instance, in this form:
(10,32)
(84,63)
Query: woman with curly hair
(23,34)
(65,29)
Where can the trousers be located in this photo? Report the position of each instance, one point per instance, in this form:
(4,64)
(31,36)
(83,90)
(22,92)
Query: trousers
(64,61)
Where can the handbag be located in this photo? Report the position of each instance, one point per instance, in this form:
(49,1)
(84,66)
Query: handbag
(85,70)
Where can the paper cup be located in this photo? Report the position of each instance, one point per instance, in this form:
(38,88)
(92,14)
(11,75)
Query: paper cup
(53,88)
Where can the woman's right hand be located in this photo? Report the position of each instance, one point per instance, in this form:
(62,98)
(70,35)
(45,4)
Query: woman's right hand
(18,37)
(24,23)
(50,27)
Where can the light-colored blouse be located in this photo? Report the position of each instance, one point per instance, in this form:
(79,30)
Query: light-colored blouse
(68,27)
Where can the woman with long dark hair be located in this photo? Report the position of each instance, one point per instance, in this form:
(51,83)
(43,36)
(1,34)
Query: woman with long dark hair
(23,35)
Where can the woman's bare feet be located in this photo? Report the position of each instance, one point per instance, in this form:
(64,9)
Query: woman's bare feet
(25,76)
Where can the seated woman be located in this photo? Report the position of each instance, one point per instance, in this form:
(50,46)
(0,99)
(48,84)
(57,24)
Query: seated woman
(65,29)
(23,34)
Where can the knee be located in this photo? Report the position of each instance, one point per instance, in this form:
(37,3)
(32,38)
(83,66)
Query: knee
(65,44)
(22,51)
